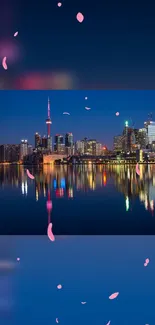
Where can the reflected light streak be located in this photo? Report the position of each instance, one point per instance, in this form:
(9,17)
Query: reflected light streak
(127,203)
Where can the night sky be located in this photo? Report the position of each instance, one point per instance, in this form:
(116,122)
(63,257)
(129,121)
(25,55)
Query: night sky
(22,113)
(114,47)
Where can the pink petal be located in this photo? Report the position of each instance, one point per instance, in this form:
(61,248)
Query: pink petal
(4,63)
(59,286)
(83,302)
(57,321)
(50,233)
(145,264)
(80,17)
(108,323)
(59,4)
(29,174)
(15,34)
(137,169)
(114,295)
(147,260)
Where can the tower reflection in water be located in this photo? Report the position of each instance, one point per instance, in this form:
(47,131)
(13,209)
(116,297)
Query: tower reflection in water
(66,181)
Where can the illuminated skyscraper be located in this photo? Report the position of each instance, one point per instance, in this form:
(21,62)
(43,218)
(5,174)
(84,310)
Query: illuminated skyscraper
(23,149)
(151,132)
(48,123)
(118,143)
(69,143)
(59,146)
(79,147)
(37,140)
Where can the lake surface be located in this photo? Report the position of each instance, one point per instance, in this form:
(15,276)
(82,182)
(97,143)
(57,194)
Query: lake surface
(89,268)
(86,200)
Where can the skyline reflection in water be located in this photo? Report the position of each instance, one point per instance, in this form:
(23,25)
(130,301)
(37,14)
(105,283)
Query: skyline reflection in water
(113,192)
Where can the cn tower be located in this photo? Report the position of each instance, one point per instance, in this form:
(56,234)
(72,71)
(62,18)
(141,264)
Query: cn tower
(48,123)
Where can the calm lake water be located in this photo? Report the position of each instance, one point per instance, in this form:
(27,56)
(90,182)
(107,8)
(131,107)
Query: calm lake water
(86,200)
(89,268)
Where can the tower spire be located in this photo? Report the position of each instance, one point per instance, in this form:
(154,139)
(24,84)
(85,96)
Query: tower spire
(48,107)
(48,123)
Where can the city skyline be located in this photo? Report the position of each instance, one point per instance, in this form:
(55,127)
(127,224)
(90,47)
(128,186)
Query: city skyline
(100,123)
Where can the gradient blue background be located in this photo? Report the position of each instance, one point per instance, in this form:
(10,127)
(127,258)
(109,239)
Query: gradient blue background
(90,269)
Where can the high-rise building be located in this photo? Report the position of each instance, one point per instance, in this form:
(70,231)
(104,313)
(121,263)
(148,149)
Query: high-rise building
(37,140)
(48,123)
(59,146)
(79,147)
(30,149)
(91,147)
(98,149)
(118,143)
(69,143)
(128,138)
(142,138)
(23,149)
(44,142)
(151,132)
(9,153)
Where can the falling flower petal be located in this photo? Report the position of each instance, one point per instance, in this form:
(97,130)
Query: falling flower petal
(117,113)
(147,260)
(18,259)
(57,321)
(108,323)
(145,264)
(4,63)
(87,108)
(114,295)
(59,286)
(66,113)
(80,17)
(86,98)
(137,169)
(50,233)
(29,174)
(59,4)
(15,34)
(83,302)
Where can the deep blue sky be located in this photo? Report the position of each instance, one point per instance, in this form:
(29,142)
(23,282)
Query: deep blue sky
(114,47)
(22,113)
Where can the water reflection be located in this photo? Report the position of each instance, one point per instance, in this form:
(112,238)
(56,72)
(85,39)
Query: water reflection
(65,181)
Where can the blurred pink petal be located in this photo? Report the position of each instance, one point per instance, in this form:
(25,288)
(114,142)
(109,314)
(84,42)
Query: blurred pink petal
(59,286)
(147,260)
(15,34)
(87,108)
(29,174)
(83,302)
(80,17)
(4,63)
(50,233)
(108,323)
(59,4)
(86,98)
(145,264)
(18,259)
(117,113)
(137,169)
(114,295)
(57,321)
(66,113)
